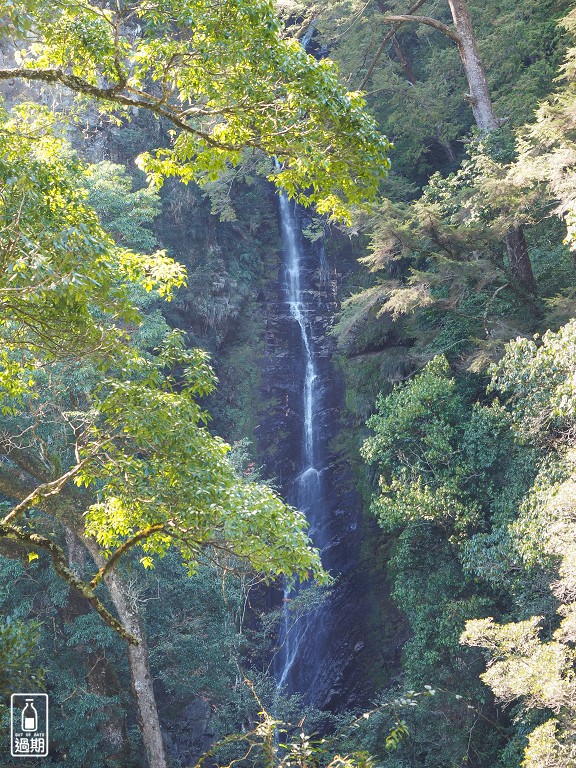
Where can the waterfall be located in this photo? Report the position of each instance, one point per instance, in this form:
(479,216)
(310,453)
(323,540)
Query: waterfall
(308,35)
(321,635)
(316,654)
(307,492)
(298,310)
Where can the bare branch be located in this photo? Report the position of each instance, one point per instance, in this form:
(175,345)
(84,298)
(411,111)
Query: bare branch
(387,38)
(444,28)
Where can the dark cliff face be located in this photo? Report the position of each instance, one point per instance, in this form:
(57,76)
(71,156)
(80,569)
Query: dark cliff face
(260,362)
(332,638)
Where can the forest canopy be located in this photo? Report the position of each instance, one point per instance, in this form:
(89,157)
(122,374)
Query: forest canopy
(225,79)
(141,552)
(104,441)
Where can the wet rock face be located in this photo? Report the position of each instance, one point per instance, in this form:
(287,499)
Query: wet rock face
(188,733)
(328,638)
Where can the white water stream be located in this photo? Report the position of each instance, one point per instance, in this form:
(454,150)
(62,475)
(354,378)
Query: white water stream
(308,482)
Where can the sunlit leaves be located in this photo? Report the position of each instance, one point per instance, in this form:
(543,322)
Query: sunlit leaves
(537,377)
(64,289)
(227,79)
(524,662)
(125,213)
(162,469)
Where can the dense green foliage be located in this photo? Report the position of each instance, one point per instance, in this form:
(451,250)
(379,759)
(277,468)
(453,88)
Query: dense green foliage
(224,76)
(62,293)
(470,474)
(486,530)
(459,421)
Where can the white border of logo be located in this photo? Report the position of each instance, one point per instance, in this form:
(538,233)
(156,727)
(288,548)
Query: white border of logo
(28,754)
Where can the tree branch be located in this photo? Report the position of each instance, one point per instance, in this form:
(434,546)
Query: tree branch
(444,28)
(111,562)
(35,540)
(387,38)
(113,93)
(51,488)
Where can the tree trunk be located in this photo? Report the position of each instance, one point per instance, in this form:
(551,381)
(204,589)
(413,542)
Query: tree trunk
(404,61)
(486,120)
(142,685)
(101,676)
(519,258)
(480,100)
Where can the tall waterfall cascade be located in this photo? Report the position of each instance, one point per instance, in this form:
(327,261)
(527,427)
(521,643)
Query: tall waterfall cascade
(317,648)
(307,488)
(323,637)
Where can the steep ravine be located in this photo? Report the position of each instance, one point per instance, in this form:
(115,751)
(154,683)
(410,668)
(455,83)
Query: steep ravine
(262,361)
(321,650)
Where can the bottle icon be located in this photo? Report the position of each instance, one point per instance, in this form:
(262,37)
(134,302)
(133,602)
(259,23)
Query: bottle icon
(29,717)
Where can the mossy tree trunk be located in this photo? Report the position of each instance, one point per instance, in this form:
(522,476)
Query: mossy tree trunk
(138,661)
(462,34)
(486,120)
(101,676)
